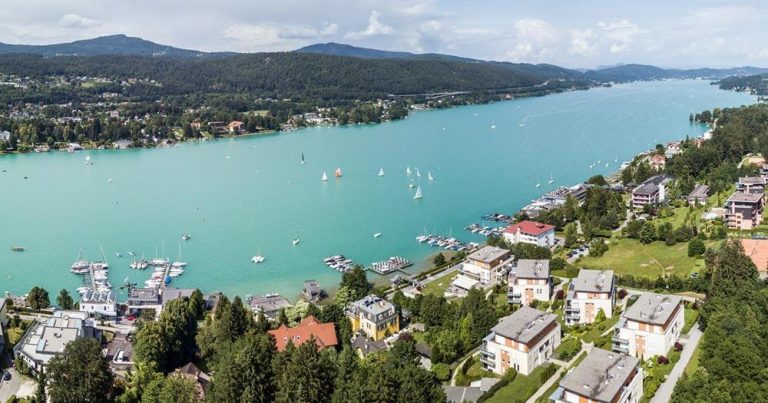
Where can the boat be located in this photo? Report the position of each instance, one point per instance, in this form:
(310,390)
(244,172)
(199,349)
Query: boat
(337,173)
(538,183)
(109,180)
(429,176)
(381,171)
(88,160)
(296,241)
(418,173)
(377,234)
(551,180)
(302,158)
(186,237)
(131,253)
(418,194)
(18,248)
(411,186)
(408,171)
(257,259)
(324,178)
(179,264)
(493,126)
(118,254)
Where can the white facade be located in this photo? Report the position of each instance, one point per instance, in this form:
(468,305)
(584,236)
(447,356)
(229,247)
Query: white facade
(529,281)
(489,265)
(644,335)
(545,239)
(98,303)
(523,341)
(603,376)
(590,292)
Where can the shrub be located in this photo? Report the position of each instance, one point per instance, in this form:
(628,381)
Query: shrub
(467,365)
(662,360)
(622,293)
(674,357)
(508,377)
(696,247)
(442,371)
(560,294)
(678,346)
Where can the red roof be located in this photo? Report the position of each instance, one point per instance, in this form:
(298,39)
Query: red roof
(529,227)
(324,333)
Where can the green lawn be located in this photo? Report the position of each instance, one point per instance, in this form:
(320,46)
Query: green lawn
(521,388)
(629,256)
(440,284)
(678,217)
(474,373)
(690,318)
(693,364)
(595,332)
(567,345)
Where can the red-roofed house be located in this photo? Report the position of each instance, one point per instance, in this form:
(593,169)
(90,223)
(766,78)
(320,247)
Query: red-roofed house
(658,162)
(324,334)
(531,232)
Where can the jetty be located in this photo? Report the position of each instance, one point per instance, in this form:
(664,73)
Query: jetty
(340,263)
(485,230)
(447,243)
(392,264)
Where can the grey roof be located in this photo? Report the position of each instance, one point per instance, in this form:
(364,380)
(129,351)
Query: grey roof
(367,346)
(532,268)
(646,189)
(752,180)
(699,191)
(270,303)
(460,394)
(488,254)
(312,286)
(601,375)
(524,325)
(593,281)
(170,294)
(741,197)
(144,294)
(373,305)
(656,180)
(653,308)
(101,297)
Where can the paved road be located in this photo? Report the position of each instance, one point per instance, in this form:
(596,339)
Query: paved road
(664,394)
(18,385)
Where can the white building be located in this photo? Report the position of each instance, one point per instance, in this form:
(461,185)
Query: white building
(588,293)
(100,303)
(529,281)
(488,266)
(649,327)
(603,376)
(531,232)
(523,341)
(45,339)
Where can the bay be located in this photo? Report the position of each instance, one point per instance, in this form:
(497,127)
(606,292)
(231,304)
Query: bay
(239,197)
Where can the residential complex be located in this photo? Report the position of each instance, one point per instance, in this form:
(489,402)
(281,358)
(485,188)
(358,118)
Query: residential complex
(487,266)
(531,232)
(529,281)
(744,210)
(324,334)
(603,376)
(590,292)
(373,317)
(751,184)
(649,327)
(651,192)
(523,341)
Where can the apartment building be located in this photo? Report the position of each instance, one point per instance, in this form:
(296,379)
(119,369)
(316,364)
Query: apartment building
(590,292)
(649,327)
(529,281)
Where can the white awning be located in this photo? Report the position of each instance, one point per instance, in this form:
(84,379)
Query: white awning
(465,282)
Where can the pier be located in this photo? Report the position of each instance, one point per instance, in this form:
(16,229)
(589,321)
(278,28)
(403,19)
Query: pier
(394,263)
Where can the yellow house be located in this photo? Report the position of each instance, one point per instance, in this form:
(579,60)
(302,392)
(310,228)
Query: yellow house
(373,317)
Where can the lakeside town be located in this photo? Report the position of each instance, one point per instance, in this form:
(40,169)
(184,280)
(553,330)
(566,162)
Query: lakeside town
(557,309)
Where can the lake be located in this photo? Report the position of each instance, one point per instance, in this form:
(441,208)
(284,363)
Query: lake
(241,197)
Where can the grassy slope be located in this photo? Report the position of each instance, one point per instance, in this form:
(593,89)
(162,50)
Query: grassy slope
(629,256)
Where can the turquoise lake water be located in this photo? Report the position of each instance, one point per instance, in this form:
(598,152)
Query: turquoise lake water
(242,196)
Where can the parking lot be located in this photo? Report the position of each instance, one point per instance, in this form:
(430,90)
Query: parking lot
(17,385)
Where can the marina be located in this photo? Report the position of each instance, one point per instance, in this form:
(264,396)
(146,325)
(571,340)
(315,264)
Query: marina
(340,263)
(392,264)
(485,230)
(447,243)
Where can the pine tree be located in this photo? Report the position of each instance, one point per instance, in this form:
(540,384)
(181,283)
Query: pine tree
(80,374)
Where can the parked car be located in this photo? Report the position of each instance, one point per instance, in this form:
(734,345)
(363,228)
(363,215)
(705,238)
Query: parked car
(7,376)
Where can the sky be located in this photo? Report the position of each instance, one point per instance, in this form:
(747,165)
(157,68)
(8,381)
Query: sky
(570,33)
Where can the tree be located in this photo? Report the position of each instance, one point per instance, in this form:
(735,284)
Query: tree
(80,373)
(648,233)
(308,376)
(64,300)
(197,304)
(246,371)
(40,395)
(439,260)
(696,247)
(38,298)
(597,180)
(571,235)
(178,389)
(356,282)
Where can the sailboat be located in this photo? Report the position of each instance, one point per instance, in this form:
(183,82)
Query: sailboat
(338,173)
(257,259)
(551,180)
(538,183)
(381,171)
(179,263)
(429,176)
(302,158)
(325,177)
(377,234)
(408,171)
(418,173)
(418,194)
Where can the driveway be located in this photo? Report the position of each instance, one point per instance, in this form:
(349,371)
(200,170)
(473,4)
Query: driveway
(18,385)
(664,394)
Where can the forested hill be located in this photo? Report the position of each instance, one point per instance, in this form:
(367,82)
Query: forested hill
(291,74)
(757,84)
(104,45)
(340,49)
(641,72)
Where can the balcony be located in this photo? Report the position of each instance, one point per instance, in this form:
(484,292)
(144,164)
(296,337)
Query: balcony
(487,357)
(513,298)
(619,340)
(620,348)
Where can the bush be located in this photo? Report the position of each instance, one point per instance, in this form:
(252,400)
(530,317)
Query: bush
(622,293)
(674,357)
(548,372)
(696,247)
(442,371)
(557,263)
(662,360)
(508,377)
(569,349)
(560,294)
(650,386)
(678,347)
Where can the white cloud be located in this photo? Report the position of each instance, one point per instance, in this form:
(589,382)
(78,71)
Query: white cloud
(621,34)
(535,39)
(257,36)
(582,42)
(375,27)
(77,21)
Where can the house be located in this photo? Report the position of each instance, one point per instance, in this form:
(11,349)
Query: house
(461,285)
(744,210)
(140,299)
(323,333)
(649,327)
(45,339)
(169,294)
(365,346)
(531,232)
(529,281)
(658,162)
(235,126)
(699,195)
(523,341)
(312,291)
(488,265)
(119,352)
(751,184)
(651,192)
(757,250)
(200,378)
(373,317)
(590,292)
(603,376)
(673,148)
(121,144)
(98,303)
(270,305)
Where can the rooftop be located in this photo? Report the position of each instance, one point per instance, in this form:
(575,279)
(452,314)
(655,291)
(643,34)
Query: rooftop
(653,308)
(593,281)
(700,191)
(646,189)
(171,293)
(367,346)
(324,334)
(489,254)
(91,296)
(740,197)
(270,303)
(373,305)
(601,375)
(312,286)
(524,325)
(752,180)
(532,268)
(530,227)
(144,295)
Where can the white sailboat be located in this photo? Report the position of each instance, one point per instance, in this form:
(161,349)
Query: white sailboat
(302,158)
(381,171)
(325,177)
(408,171)
(418,173)
(538,183)
(257,259)
(429,176)
(493,125)
(551,180)
(179,263)
(418,194)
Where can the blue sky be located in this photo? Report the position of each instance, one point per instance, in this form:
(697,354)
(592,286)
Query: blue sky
(576,33)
